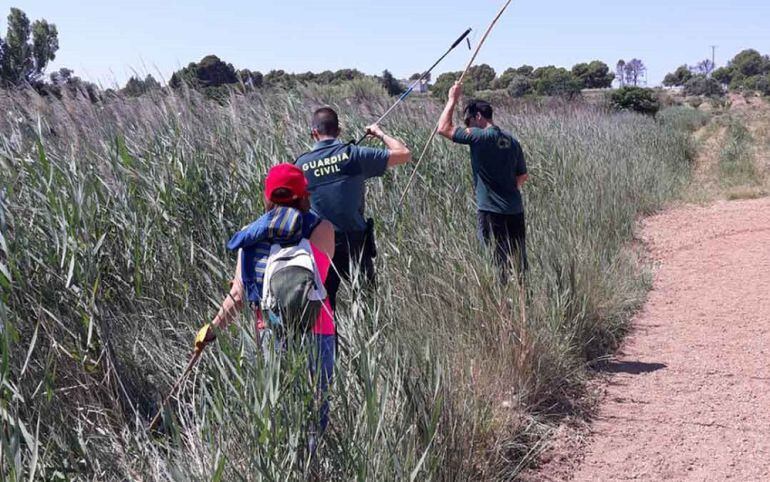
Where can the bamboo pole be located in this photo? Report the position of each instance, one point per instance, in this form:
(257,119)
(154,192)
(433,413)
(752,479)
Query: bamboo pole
(462,77)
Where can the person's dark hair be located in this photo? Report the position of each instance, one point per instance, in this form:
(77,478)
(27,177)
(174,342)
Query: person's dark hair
(476,106)
(301,204)
(326,122)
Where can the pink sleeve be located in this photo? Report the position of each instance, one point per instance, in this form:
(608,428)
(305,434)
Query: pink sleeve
(325,323)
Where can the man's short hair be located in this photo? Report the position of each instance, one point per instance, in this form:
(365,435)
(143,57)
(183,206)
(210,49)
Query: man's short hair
(326,122)
(476,106)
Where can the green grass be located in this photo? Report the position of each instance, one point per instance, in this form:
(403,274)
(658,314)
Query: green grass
(736,159)
(116,218)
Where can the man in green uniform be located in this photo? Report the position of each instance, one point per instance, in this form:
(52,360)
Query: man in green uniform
(499,171)
(336,173)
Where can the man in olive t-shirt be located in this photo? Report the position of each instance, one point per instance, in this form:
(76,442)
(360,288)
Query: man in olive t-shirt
(499,171)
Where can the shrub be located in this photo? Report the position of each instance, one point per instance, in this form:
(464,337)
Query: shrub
(556,81)
(701,85)
(519,86)
(637,99)
(679,77)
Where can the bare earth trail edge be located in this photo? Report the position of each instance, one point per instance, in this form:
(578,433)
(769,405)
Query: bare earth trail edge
(688,392)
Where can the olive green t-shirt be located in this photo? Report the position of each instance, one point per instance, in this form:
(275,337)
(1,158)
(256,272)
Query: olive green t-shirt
(496,161)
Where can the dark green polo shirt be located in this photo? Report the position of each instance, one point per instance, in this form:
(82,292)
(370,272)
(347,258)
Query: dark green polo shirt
(496,161)
(336,175)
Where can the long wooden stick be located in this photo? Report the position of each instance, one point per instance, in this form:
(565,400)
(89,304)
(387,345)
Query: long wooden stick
(462,77)
(176,386)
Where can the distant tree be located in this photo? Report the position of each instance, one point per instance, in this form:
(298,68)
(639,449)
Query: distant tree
(678,77)
(346,75)
(417,75)
(279,78)
(504,79)
(440,87)
(704,67)
(480,77)
(306,78)
(749,63)
(702,85)
(136,86)
(519,86)
(210,72)
(634,71)
(758,83)
(620,72)
(552,80)
(324,78)
(390,84)
(64,82)
(763,85)
(745,71)
(594,75)
(724,75)
(637,99)
(525,70)
(26,50)
(251,80)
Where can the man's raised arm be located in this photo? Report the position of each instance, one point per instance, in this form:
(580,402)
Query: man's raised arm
(446,122)
(399,153)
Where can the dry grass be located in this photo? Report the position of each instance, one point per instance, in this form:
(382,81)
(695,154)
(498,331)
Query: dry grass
(113,254)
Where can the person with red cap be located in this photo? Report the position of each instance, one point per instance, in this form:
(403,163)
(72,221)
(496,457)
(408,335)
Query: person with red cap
(287,221)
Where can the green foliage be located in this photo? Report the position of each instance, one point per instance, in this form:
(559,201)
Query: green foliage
(749,63)
(440,87)
(279,79)
(390,84)
(251,79)
(555,81)
(746,71)
(136,86)
(637,99)
(519,86)
(593,75)
(757,83)
(26,49)
(736,159)
(480,77)
(702,85)
(504,80)
(114,220)
(679,77)
(723,75)
(63,82)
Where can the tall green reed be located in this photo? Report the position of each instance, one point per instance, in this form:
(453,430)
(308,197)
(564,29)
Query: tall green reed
(117,217)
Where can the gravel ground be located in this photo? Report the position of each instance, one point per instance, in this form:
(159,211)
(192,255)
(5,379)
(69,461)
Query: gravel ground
(688,396)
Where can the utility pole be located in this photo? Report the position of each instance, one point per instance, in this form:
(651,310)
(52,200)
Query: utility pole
(713,57)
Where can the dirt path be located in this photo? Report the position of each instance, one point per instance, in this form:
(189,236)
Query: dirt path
(689,394)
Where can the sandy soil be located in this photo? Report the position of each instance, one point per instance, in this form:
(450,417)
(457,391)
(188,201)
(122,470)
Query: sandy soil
(688,396)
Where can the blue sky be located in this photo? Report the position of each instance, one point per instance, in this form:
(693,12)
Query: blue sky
(107,40)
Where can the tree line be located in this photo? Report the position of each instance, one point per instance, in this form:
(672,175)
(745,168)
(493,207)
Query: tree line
(28,48)
(747,71)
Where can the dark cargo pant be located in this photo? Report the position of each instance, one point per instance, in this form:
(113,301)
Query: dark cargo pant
(508,233)
(357,247)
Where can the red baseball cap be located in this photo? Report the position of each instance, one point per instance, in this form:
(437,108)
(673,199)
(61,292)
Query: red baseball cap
(285,176)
